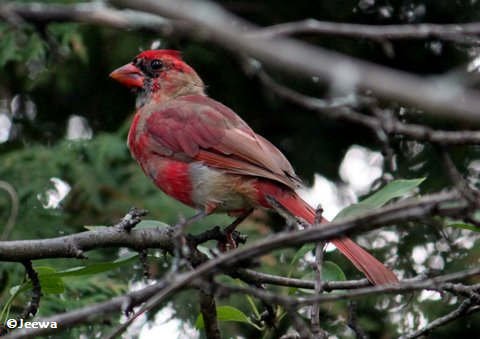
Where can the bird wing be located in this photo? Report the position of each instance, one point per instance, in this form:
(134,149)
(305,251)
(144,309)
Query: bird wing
(198,128)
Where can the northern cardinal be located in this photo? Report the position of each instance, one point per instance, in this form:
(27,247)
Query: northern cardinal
(203,154)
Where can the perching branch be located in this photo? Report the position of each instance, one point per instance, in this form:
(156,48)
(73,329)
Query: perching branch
(315,308)
(162,238)
(284,239)
(74,246)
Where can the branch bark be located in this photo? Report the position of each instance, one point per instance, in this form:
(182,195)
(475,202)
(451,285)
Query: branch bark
(209,312)
(390,32)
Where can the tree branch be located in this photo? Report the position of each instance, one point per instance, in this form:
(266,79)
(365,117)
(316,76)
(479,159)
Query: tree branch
(439,283)
(412,31)
(207,21)
(402,211)
(373,220)
(340,110)
(263,278)
(465,308)
(93,313)
(209,312)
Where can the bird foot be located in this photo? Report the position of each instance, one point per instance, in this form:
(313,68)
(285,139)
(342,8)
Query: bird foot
(231,241)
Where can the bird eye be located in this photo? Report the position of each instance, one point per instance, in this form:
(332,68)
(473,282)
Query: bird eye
(156,64)
(134,61)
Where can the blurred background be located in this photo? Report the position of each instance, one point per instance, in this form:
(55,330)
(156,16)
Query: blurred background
(64,162)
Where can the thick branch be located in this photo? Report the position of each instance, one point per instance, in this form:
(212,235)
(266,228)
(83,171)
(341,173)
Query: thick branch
(210,22)
(73,246)
(209,312)
(440,99)
(90,13)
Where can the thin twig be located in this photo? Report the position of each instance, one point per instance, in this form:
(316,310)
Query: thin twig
(405,31)
(459,181)
(263,278)
(352,320)
(32,307)
(315,308)
(342,111)
(299,324)
(131,219)
(440,283)
(464,309)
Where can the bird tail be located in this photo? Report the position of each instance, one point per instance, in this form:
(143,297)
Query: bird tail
(373,269)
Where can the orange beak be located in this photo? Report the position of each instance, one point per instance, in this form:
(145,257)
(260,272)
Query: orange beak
(128,75)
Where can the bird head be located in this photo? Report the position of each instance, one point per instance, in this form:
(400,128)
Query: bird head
(159,75)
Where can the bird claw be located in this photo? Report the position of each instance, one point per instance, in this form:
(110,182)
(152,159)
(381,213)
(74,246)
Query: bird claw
(231,241)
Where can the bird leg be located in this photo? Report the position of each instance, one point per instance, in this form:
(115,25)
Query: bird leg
(229,232)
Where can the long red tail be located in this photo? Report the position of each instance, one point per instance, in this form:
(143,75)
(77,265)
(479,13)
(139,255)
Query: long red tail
(373,269)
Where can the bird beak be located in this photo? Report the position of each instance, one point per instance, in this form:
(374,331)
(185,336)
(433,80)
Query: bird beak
(128,75)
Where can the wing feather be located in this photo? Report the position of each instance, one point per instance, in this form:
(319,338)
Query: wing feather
(205,130)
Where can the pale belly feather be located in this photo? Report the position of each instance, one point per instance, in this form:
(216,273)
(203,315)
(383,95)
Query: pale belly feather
(227,192)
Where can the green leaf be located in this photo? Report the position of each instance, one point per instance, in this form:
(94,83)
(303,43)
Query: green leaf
(394,189)
(227,313)
(49,281)
(301,253)
(151,224)
(332,272)
(14,291)
(95,227)
(97,267)
(465,226)
(9,49)
(142,224)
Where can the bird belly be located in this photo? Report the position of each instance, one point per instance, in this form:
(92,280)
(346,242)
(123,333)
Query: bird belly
(171,176)
(216,190)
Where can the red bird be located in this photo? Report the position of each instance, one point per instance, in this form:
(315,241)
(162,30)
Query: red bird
(203,154)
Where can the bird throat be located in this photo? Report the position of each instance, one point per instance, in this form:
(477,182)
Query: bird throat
(143,94)
(142,97)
